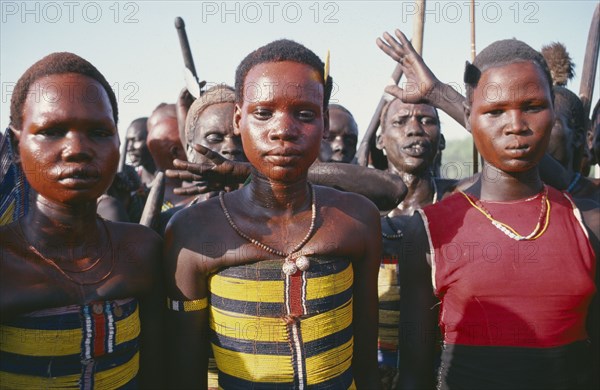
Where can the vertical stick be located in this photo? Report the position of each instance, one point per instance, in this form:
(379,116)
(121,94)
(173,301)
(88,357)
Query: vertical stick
(590,62)
(123,155)
(188,60)
(367,145)
(473,53)
(418,27)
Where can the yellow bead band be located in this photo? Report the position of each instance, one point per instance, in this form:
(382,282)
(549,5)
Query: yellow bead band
(194,305)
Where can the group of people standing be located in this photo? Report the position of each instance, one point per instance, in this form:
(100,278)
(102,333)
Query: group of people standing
(282,282)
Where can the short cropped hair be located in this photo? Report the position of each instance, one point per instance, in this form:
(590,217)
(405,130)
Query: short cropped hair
(344,109)
(500,53)
(55,63)
(279,51)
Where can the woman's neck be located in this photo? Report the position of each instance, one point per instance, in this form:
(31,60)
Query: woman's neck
(268,194)
(497,185)
(52,223)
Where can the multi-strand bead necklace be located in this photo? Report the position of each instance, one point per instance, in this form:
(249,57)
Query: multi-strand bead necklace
(65,272)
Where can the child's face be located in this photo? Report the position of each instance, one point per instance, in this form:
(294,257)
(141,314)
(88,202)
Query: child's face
(68,146)
(511,116)
(281,118)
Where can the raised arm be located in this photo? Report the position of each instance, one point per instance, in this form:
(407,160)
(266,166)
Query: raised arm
(421,84)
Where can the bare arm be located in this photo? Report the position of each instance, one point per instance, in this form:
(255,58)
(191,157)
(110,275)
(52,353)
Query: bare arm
(187,332)
(152,318)
(418,310)
(384,189)
(112,209)
(365,310)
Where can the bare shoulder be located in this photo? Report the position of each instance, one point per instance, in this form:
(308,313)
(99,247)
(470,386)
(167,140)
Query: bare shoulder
(194,222)
(136,245)
(349,203)
(350,225)
(196,238)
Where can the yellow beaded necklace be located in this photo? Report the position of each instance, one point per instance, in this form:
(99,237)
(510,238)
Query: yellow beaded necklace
(540,227)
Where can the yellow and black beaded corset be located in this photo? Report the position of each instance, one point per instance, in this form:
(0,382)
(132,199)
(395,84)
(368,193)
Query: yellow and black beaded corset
(270,330)
(85,347)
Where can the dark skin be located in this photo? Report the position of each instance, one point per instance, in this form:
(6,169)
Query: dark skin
(410,136)
(137,151)
(424,87)
(214,131)
(75,143)
(165,146)
(383,189)
(281,138)
(511,133)
(340,144)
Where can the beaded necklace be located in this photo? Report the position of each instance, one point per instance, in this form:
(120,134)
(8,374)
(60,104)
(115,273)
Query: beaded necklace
(290,266)
(540,227)
(63,272)
(396,236)
(398,232)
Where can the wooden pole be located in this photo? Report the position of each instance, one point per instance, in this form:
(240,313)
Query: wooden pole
(419,27)
(367,145)
(473,53)
(188,60)
(590,62)
(123,155)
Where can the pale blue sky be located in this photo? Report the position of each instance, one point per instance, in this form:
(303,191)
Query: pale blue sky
(135,45)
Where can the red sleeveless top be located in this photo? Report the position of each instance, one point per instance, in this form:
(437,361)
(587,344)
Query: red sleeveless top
(496,291)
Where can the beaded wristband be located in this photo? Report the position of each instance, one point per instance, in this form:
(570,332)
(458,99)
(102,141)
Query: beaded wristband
(194,305)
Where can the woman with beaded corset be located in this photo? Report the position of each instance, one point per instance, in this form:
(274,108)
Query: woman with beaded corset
(511,259)
(283,282)
(79,299)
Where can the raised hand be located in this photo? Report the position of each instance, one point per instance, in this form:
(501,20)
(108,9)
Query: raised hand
(420,81)
(421,87)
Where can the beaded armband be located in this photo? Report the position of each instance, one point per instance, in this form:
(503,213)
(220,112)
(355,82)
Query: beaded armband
(194,305)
